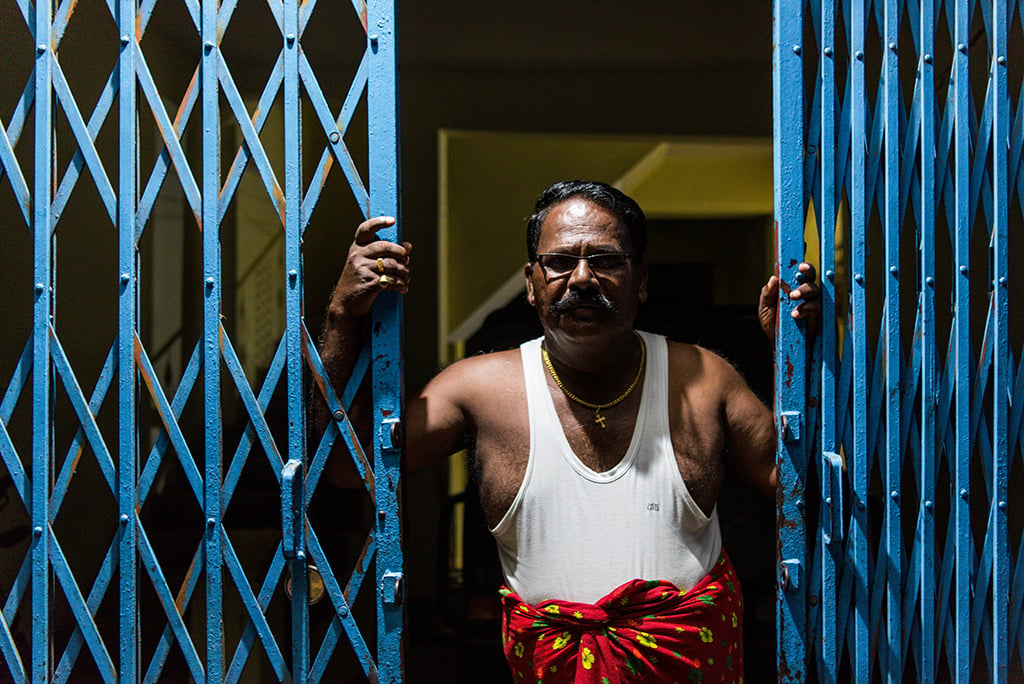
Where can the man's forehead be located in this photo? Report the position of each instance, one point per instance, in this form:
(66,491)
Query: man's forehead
(579,219)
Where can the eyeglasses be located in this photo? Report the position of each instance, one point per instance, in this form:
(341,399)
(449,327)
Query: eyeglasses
(557,265)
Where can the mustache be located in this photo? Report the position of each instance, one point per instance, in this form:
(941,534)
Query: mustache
(576,298)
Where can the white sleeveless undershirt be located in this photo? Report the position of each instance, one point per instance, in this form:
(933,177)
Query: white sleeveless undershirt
(574,534)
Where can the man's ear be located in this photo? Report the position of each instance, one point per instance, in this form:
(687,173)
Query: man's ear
(642,291)
(527,273)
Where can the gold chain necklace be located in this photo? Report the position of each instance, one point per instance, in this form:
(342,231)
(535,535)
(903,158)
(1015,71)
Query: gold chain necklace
(598,418)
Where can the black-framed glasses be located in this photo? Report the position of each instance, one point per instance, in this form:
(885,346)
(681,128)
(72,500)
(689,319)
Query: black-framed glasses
(557,265)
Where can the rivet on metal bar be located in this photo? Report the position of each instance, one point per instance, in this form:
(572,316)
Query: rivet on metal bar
(929,280)
(893,270)
(827,51)
(963,494)
(1001,59)
(963,269)
(961,47)
(37,531)
(125,39)
(41,48)
(125,277)
(927,59)
(210,522)
(859,55)
(796,49)
(892,46)
(335,137)
(859,277)
(1003,280)
(290,38)
(894,495)
(124,518)
(373,39)
(929,505)
(208,45)
(210,281)
(343,611)
(293,274)
(830,274)
(339,415)
(39,288)
(1002,505)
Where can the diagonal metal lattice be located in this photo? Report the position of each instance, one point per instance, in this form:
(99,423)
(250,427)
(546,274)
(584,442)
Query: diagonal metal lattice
(130,101)
(905,147)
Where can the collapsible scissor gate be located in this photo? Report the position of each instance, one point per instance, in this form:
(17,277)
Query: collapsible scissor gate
(206,173)
(899,124)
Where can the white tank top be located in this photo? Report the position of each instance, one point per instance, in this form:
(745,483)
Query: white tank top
(574,534)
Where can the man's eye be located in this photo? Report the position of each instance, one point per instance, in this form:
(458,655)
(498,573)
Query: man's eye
(560,264)
(607,262)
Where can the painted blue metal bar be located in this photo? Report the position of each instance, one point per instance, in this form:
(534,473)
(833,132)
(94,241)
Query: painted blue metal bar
(857,330)
(42,409)
(788,111)
(9,166)
(15,469)
(293,331)
(891,215)
(9,650)
(929,456)
(128,613)
(385,199)
(1002,365)
(267,589)
(831,549)
(212,293)
(96,595)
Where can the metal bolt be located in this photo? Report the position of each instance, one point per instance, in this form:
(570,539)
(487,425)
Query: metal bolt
(343,611)
(373,38)
(800,504)
(892,46)
(861,504)
(300,556)
(796,49)
(335,137)
(1002,505)
(293,274)
(894,495)
(210,281)
(963,494)
(859,55)
(1001,59)
(929,505)
(961,47)
(828,52)
(927,59)
(859,277)
(963,269)
(830,274)
(339,415)
(41,48)
(929,280)
(290,38)
(210,522)
(828,500)
(893,270)
(40,287)
(125,39)
(382,514)
(37,531)
(124,518)
(1003,280)
(125,277)
(208,45)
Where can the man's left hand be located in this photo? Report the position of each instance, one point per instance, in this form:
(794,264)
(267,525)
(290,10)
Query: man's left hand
(807,293)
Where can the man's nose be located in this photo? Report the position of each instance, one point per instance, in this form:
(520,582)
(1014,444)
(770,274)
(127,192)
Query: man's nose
(583,277)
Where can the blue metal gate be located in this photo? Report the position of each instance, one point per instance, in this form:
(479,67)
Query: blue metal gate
(899,127)
(107,637)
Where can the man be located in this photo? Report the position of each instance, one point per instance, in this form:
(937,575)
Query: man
(600,450)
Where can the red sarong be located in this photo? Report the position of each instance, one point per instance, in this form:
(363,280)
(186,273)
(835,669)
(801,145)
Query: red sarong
(645,630)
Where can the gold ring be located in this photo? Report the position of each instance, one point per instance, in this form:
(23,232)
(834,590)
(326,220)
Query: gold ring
(384,282)
(380,265)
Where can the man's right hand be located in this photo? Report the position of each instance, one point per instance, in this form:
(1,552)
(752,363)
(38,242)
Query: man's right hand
(372,266)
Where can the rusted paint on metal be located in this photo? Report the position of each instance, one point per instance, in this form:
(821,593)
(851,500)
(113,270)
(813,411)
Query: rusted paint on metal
(789,371)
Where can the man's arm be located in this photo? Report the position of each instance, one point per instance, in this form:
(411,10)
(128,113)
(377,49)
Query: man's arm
(750,434)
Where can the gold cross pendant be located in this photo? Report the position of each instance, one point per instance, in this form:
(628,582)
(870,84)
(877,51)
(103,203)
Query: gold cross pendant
(599,419)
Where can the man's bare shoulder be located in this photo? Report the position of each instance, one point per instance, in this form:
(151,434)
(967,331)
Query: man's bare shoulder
(694,364)
(475,377)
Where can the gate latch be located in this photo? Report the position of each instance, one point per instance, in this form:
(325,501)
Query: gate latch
(791,421)
(291,511)
(391,587)
(789,575)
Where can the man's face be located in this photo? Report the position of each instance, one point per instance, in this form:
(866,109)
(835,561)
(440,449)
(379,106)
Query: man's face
(591,297)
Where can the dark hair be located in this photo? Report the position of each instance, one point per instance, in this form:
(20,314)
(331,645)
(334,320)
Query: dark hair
(614,200)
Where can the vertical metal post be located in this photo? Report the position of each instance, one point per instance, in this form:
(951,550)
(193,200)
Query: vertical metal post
(212,291)
(830,549)
(893,539)
(961,504)
(293,318)
(928,461)
(858,540)
(42,438)
(382,103)
(1001,189)
(127,324)
(790,376)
